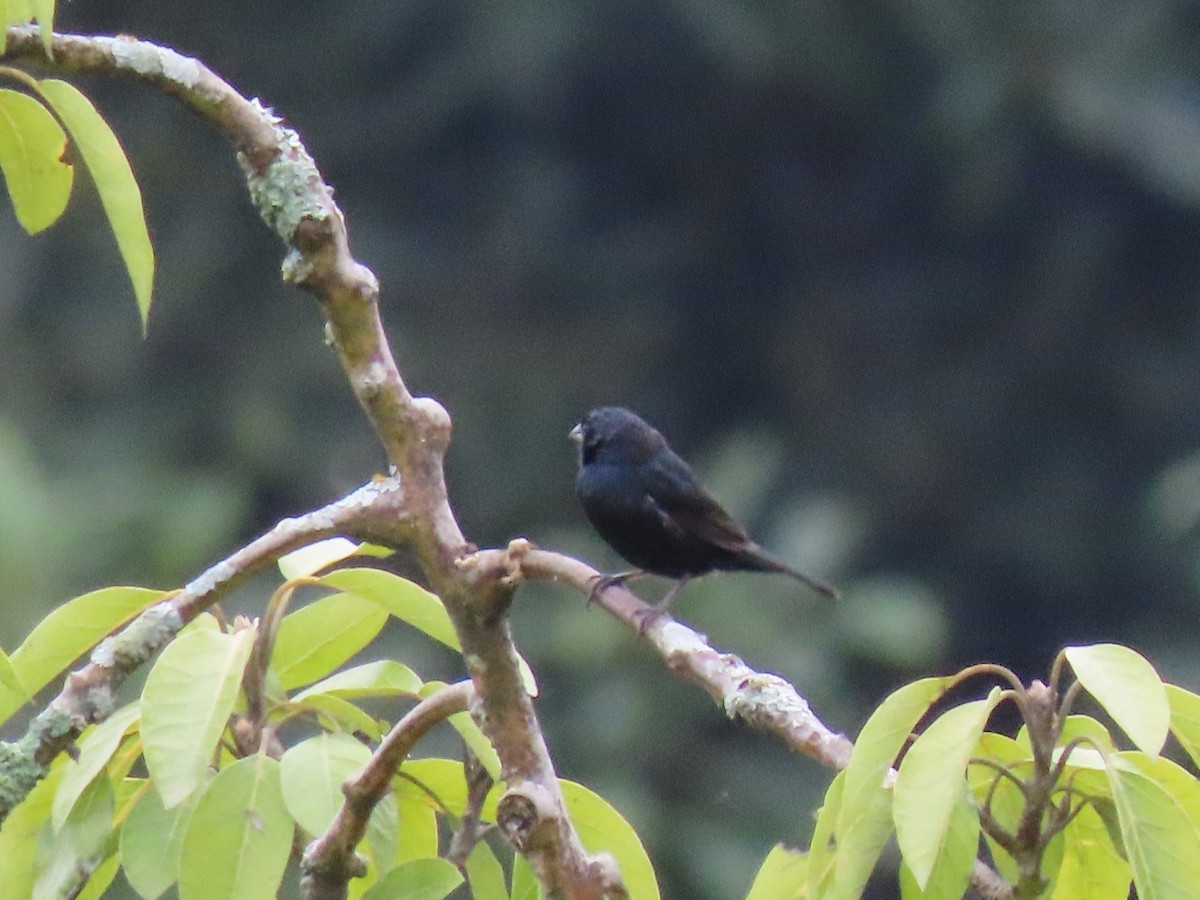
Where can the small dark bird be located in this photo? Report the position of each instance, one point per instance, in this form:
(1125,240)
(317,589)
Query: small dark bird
(648,506)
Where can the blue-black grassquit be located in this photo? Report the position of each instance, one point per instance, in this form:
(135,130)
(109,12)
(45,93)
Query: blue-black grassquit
(648,506)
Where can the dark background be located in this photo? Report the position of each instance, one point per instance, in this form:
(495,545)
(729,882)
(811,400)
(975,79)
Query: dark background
(913,285)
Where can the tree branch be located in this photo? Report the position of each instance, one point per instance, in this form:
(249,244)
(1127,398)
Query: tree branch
(87,695)
(293,199)
(762,701)
(329,861)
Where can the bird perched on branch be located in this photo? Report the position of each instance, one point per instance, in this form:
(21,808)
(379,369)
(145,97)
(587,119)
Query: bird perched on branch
(647,505)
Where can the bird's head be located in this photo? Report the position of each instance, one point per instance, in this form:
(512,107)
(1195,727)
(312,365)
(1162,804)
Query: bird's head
(615,433)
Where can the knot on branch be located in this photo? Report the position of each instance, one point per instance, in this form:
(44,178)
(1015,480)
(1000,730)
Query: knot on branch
(432,422)
(527,816)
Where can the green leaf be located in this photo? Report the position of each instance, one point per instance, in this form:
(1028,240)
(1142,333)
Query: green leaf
(485,875)
(67,633)
(1185,720)
(152,843)
(186,703)
(383,835)
(79,846)
(930,781)
(418,879)
(444,778)
(312,773)
(9,678)
(822,852)
(238,840)
(32,144)
(1085,727)
(1128,688)
(95,750)
(337,714)
(316,556)
(474,738)
(1161,842)
(524,883)
(864,821)
(385,678)
(418,822)
(405,600)
(1172,778)
(101,879)
(601,827)
(19,836)
(952,872)
(317,638)
(783,874)
(118,189)
(1091,868)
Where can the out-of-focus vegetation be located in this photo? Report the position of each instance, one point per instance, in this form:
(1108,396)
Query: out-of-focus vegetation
(914,285)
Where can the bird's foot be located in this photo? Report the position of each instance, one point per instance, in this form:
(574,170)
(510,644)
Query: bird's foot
(651,614)
(604,582)
(648,615)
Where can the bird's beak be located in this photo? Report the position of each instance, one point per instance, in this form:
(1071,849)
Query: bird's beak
(576,434)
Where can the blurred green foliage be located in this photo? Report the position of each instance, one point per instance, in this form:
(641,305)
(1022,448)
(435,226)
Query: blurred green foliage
(914,285)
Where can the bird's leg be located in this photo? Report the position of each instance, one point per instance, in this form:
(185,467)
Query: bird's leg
(604,582)
(660,609)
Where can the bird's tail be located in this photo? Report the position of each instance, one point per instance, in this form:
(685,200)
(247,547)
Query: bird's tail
(759,559)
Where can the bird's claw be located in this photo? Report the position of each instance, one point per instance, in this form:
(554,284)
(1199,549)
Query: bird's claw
(647,616)
(602,583)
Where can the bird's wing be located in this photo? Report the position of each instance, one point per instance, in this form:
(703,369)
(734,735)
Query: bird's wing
(685,505)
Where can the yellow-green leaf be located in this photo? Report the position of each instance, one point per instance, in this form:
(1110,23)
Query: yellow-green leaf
(1185,720)
(1126,685)
(68,632)
(822,851)
(485,875)
(8,675)
(524,883)
(186,703)
(151,843)
(864,820)
(418,879)
(784,873)
(602,828)
(952,871)
(19,836)
(32,144)
(314,557)
(96,748)
(1161,842)
(312,774)
(118,189)
(1091,867)
(316,639)
(384,678)
(238,839)
(405,600)
(930,782)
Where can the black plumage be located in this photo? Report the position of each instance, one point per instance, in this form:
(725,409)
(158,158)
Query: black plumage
(647,505)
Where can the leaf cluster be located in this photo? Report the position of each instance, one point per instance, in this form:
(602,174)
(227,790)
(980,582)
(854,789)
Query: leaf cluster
(1061,809)
(239,747)
(44,123)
